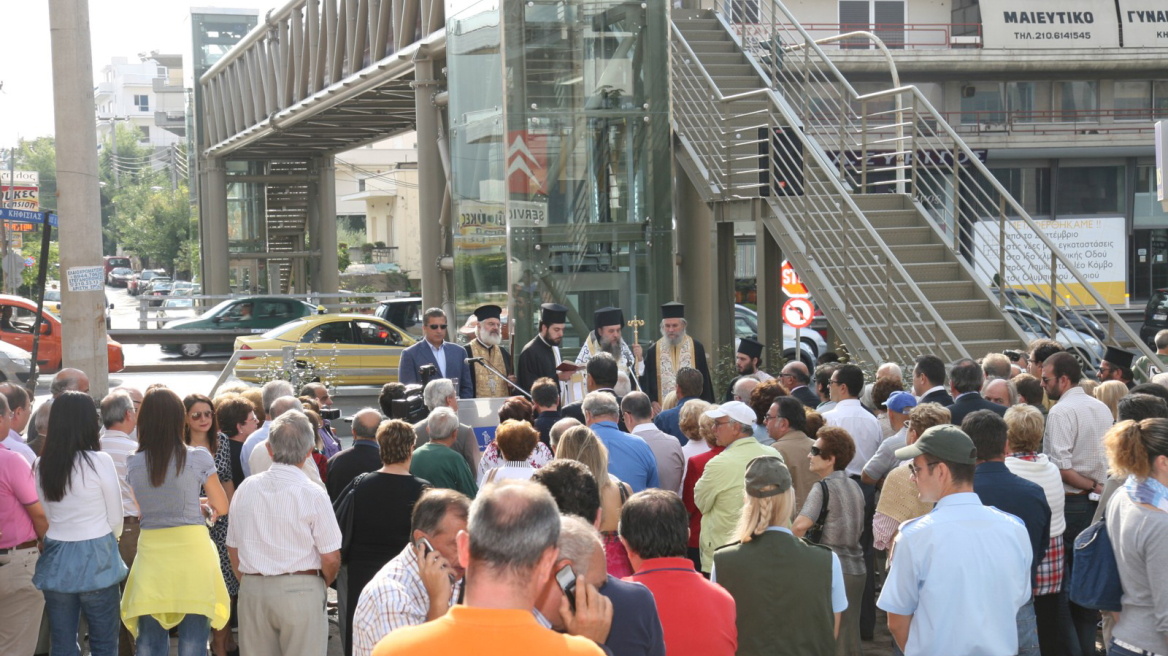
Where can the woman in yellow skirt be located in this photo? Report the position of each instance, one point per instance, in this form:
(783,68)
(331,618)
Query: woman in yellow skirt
(175,579)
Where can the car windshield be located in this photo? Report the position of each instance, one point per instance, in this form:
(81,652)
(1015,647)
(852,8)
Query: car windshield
(1159,302)
(53,295)
(162,285)
(179,303)
(121,271)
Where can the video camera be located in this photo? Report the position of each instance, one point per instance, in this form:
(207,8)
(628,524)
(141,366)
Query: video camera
(331,414)
(427,373)
(411,407)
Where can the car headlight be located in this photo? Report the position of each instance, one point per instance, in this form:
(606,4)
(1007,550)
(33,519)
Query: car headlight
(22,363)
(1091,341)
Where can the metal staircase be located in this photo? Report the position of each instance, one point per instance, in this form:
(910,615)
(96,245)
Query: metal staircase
(901,233)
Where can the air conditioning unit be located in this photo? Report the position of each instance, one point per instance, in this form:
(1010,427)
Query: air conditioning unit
(972,41)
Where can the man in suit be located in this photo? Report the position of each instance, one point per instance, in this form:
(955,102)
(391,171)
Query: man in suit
(965,379)
(601,377)
(929,381)
(434,349)
(796,378)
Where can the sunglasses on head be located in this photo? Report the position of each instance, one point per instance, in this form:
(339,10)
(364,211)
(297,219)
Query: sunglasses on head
(437,326)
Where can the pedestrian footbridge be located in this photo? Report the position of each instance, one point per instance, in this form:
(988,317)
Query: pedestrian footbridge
(907,242)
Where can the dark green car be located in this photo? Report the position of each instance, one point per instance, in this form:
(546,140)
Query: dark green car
(256,314)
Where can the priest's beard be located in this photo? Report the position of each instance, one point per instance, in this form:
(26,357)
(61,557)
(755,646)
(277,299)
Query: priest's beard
(547,337)
(612,348)
(675,341)
(490,338)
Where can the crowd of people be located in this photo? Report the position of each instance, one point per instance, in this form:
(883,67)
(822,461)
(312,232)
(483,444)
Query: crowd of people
(645,523)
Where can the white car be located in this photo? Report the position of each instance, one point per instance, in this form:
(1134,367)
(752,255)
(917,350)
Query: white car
(14,363)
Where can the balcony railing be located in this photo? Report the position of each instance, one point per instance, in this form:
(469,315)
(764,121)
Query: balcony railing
(1055,122)
(898,36)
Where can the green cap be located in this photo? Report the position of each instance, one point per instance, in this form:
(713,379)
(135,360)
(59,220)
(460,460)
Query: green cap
(767,476)
(947,442)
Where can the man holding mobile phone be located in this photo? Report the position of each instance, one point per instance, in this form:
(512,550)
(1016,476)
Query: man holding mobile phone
(420,583)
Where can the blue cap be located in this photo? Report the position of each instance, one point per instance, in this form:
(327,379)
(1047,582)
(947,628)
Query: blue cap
(900,401)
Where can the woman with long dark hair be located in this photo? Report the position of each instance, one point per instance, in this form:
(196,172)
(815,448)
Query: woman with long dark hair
(176,578)
(201,431)
(80,568)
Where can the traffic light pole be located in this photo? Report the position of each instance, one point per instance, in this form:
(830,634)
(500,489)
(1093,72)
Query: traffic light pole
(83,339)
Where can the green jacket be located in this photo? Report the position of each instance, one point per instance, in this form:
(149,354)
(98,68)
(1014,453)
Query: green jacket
(718,494)
(442,466)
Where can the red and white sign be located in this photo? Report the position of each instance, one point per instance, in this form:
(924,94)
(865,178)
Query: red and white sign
(789,280)
(798,312)
(526,162)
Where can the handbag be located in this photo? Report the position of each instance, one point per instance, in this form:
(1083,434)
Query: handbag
(1095,575)
(815,533)
(343,509)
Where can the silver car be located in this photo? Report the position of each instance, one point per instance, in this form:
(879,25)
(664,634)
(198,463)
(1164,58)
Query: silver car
(1086,349)
(14,363)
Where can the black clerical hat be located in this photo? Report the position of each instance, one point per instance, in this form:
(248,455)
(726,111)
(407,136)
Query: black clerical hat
(608,316)
(673,310)
(484,312)
(550,313)
(750,348)
(1119,357)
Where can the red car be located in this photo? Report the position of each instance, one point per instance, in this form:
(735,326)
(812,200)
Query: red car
(16,321)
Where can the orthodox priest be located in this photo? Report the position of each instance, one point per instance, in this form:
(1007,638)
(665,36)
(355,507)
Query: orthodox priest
(606,336)
(747,361)
(488,345)
(540,357)
(669,354)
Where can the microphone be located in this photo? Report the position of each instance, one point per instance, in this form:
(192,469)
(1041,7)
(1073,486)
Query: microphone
(470,360)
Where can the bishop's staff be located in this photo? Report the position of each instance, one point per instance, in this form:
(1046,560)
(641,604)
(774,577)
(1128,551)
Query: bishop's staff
(635,323)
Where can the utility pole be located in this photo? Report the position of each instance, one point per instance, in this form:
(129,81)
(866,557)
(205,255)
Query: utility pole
(113,138)
(83,339)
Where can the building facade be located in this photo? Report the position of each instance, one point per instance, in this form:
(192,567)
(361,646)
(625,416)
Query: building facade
(148,95)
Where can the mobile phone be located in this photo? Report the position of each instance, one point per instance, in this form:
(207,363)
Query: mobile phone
(426,546)
(566,579)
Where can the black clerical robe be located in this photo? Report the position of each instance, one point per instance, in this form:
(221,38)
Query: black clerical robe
(649,380)
(536,360)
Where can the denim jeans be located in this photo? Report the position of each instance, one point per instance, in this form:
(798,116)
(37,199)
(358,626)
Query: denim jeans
(193,631)
(1027,630)
(1056,633)
(102,612)
(1078,512)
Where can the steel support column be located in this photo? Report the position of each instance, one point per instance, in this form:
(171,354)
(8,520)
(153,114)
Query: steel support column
(722,244)
(213,226)
(431,185)
(326,186)
(768,257)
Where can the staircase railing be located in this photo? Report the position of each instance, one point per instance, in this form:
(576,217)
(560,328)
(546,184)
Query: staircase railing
(742,142)
(1036,284)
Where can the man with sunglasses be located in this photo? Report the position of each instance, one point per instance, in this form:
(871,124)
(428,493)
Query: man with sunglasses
(435,350)
(962,560)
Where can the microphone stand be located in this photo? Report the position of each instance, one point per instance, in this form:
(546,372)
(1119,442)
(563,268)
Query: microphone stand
(482,362)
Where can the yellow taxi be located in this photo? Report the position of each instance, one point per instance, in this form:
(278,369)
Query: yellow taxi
(323,342)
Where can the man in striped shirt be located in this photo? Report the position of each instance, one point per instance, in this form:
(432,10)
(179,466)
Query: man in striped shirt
(418,585)
(284,544)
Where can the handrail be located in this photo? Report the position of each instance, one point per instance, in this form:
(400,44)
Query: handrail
(892,263)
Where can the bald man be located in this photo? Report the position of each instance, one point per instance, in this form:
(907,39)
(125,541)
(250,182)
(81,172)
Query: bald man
(68,380)
(796,378)
(260,460)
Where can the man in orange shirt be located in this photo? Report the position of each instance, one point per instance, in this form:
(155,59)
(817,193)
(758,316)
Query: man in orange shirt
(508,551)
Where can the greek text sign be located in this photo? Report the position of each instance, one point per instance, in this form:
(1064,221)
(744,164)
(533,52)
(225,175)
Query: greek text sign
(1036,24)
(1096,247)
(1145,23)
(86,279)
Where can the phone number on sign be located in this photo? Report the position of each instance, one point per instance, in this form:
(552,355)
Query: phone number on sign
(1037,36)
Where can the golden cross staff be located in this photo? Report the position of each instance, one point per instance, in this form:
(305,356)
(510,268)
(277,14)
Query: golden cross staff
(635,324)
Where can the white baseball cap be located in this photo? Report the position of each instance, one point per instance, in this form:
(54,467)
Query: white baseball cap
(736,410)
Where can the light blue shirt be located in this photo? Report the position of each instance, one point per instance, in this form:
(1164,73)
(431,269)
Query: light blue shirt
(962,571)
(885,459)
(839,596)
(439,354)
(629,457)
(249,445)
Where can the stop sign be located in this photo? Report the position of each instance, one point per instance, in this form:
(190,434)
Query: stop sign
(789,280)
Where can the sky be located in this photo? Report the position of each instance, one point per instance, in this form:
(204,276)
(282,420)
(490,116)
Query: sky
(118,28)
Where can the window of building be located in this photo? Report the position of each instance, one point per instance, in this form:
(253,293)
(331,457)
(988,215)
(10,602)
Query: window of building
(1133,100)
(162,71)
(1078,100)
(884,18)
(1160,98)
(981,102)
(142,102)
(145,136)
(1029,102)
(1148,213)
(1030,186)
(1090,190)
